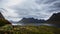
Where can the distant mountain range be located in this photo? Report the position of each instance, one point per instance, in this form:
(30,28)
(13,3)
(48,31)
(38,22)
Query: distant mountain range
(54,19)
(3,21)
(31,20)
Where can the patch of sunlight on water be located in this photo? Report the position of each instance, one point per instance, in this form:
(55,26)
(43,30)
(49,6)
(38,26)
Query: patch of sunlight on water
(16,24)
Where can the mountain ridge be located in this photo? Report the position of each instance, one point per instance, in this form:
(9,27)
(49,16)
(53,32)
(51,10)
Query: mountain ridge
(3,21)
(54,19)
(31,20)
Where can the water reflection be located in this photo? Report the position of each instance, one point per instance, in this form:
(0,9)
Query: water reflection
(37,24)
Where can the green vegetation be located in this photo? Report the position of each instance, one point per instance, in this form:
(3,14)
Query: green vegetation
(3,22)
(9,29)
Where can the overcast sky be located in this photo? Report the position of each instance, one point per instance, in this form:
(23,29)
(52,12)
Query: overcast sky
(17,9)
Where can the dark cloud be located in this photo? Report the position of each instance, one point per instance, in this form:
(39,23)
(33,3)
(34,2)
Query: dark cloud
(45,1)
(38,8)
(56,5)
(41,9)
(49,1)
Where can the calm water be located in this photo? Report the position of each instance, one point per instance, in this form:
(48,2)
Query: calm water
(37,24)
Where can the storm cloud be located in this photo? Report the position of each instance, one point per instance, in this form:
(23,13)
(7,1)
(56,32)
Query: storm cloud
(39,9)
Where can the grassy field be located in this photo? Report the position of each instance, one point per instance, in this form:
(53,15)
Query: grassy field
(9,29)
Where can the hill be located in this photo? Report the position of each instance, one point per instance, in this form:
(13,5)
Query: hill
(3,21)
(54,19)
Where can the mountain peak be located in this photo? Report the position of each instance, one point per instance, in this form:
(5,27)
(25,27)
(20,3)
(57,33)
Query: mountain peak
(1,16)
(31,20)
(55,18)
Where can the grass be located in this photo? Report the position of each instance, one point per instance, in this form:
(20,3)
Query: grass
(9,29)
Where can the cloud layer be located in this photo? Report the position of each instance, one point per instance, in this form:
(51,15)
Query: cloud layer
(41,9)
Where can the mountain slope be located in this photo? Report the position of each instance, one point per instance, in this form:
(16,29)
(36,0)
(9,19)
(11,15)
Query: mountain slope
(3,21)
(54,19)
(1,16)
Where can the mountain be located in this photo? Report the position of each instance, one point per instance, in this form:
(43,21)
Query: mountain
(3,21)
(1,16)
(54,19)
(31,21)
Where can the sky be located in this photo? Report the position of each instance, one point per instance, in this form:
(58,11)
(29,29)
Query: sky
(15,10)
